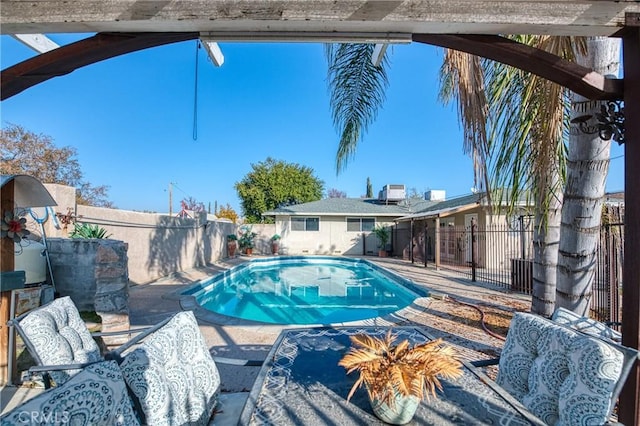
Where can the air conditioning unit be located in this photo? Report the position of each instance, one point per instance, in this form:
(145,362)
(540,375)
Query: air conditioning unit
(393,193)
(435,195)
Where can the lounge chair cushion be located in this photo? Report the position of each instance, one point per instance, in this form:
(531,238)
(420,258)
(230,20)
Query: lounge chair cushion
(97,395)
(585,324)
(172,374)
(564,377)
(59,336)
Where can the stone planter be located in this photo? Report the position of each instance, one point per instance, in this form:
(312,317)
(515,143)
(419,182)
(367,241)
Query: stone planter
(94,273)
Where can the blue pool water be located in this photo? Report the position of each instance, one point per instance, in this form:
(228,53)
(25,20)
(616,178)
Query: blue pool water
(306,290)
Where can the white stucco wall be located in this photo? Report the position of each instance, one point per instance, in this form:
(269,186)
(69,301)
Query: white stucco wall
(332,237)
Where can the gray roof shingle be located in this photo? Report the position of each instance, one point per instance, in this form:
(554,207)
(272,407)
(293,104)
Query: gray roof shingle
(369,207)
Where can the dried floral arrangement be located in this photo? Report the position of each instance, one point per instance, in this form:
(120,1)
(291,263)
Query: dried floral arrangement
(387,370)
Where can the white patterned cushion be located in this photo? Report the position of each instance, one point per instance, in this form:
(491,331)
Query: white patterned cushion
(172,374)
(562,376)
(60,336)
(95,396)
(585,325)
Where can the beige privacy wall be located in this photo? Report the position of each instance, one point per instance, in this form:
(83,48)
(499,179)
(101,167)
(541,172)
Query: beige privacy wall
(158,244)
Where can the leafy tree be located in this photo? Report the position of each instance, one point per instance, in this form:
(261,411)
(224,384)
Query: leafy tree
(24,152)
(228,212)
(275,183)
(336,193)
(193,204)
(369,189)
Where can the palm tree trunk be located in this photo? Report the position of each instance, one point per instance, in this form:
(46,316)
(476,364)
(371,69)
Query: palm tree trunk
(546,238)
(587,168)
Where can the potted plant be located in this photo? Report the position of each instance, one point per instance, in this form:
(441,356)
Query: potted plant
(398,377)
(275,246)
(246,239)
(232,244)
(382,232)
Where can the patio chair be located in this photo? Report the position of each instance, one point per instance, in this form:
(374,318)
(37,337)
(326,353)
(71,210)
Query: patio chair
(585,324)
(55,334)
(170,375)
(562,375)
(95,395)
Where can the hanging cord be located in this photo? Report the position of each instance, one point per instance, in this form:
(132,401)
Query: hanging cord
(477,308)
(195,96)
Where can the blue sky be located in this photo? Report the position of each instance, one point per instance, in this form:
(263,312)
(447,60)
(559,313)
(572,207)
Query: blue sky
(131,120)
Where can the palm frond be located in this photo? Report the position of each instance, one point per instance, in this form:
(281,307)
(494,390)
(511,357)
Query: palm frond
(528,125)
(357,91)
(462,79)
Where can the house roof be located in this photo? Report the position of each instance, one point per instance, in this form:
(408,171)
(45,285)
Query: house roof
(405,210)
(442,208)
(352,206)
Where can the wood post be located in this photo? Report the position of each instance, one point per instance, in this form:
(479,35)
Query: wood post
(437,243)
(7,263)
(426,242)
(629,403)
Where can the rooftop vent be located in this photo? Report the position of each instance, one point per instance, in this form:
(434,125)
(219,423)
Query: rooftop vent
(392,193)
(435,195)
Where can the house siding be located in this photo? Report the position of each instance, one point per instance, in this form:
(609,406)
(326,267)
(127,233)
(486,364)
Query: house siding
(331,239)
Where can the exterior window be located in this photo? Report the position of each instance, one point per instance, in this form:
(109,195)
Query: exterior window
(305,224)
(358,224)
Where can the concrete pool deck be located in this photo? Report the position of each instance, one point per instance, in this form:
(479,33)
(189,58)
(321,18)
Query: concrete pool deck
(441,315)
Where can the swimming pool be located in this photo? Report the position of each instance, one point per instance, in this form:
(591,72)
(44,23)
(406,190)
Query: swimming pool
(306,290)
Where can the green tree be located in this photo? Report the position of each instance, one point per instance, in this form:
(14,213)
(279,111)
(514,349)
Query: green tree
(275,183)
(24,152)
(228,212)
(527,154)
(369,189)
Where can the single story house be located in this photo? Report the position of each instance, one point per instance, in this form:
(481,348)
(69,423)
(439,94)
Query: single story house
(343,225)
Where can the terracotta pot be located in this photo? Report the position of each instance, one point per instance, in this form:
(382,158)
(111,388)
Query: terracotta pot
(248,251)
(274,248)
(231,248)
(382,253)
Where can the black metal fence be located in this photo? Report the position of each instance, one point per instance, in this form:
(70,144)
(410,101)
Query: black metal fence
(504,256)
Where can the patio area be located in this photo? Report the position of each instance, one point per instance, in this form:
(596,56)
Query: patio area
(447,314)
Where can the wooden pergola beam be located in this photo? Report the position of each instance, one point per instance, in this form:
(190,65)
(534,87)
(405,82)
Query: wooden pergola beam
(576,78)
(67,59)
(103,46)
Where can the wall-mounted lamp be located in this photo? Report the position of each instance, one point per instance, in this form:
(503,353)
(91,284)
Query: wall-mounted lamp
(610,122)
(214,52)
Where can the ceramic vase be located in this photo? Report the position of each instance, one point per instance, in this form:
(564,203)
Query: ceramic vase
(402,411)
